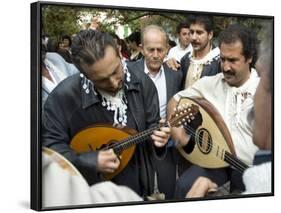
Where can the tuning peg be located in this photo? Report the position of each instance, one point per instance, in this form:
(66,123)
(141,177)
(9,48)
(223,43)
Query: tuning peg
(188,120)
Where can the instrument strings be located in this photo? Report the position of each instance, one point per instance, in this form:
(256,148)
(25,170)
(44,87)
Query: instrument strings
(132,140)
(232,160)
(126,143)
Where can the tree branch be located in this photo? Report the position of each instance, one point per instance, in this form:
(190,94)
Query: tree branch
(139,16)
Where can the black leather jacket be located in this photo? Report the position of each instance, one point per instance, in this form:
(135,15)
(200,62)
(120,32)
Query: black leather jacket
(69,109)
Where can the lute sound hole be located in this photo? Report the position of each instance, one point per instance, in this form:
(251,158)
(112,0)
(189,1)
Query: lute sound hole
(204,140)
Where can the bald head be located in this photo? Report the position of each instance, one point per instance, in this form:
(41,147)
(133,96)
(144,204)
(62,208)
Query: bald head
(154,30)
(154,44)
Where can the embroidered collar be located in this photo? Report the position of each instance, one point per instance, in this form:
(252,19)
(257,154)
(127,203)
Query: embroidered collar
(247,85)
(214,54)
(245,91)
(117,104)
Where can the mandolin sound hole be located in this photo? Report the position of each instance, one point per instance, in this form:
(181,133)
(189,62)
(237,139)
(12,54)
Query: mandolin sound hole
(111,144)
(204,140)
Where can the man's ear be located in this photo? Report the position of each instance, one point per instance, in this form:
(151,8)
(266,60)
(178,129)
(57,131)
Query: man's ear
(210,35)
(141,49)
(249,60)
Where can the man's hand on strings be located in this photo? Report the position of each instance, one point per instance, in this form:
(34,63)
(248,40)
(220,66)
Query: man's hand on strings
(161,137)
(107,161)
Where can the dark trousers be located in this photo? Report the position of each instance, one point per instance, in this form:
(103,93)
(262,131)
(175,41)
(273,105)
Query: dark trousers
(166,173)
(219,176)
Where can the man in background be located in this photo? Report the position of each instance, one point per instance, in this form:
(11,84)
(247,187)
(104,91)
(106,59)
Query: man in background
(154,47)
(184,46)
(204,58)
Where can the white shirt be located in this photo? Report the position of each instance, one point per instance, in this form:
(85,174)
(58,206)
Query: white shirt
(233,108)
(177,52)
(160,82)
(257,179)
(57,76)
(58,69)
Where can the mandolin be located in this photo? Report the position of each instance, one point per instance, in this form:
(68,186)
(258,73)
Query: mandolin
(123,141)
(211,144)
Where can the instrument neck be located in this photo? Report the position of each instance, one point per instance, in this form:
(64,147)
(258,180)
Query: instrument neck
(138,138)
(233,161)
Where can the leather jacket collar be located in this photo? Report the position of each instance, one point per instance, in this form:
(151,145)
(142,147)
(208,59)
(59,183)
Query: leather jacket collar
(91,98)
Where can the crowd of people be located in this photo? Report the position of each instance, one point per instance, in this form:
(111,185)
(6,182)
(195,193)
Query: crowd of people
(97,78)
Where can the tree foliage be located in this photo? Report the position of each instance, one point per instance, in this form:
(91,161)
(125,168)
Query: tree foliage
(60,20)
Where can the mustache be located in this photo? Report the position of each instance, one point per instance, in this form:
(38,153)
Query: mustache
(195,43)
(157,60)
(228,72)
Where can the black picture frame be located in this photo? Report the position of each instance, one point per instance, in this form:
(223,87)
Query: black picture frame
(36,106)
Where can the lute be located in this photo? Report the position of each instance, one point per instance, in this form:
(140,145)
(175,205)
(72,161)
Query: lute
(211,145)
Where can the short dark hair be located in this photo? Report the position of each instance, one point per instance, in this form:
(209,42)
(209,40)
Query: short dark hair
(88,46)
(115,36)
(181,26)
(68,38)
(172,43)
(206,20)
(238,32)
(134,37)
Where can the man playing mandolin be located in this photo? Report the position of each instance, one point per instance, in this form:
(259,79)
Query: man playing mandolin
(231,93)
(104,92)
